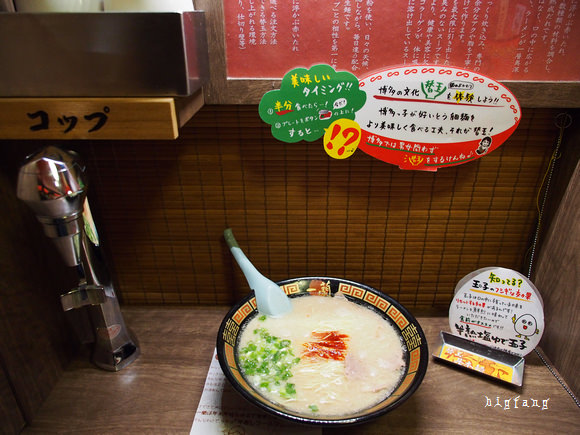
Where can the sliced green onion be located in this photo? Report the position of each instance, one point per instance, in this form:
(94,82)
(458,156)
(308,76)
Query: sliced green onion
(271,359)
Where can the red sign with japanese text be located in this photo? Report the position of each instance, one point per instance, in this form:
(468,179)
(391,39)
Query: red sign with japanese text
(506,39)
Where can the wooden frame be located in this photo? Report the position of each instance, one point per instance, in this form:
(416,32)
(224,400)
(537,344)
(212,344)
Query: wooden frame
(222,90)
(7,6)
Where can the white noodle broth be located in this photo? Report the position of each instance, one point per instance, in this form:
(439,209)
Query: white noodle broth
(328,357)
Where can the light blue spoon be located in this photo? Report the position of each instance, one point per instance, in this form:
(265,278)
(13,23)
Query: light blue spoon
(270,298)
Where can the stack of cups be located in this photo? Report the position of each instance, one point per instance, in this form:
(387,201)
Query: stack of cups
(148,5)
(58,5)
(104,5)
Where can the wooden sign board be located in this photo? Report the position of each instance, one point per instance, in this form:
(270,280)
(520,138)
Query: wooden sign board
(88,118)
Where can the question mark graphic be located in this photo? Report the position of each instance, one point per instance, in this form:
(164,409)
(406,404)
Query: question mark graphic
(342,138)
(351,134)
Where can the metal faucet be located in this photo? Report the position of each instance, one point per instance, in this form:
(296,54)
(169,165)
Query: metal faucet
(52,182)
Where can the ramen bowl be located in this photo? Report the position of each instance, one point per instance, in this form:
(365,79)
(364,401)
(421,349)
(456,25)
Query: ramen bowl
(414,345)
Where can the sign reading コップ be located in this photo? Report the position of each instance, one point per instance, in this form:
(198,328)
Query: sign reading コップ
(426,117)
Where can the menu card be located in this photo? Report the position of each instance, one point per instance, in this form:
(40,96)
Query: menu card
(499,308)
(222,410)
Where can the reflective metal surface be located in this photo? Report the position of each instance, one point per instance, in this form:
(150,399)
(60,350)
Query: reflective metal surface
(53,184)
(99,54)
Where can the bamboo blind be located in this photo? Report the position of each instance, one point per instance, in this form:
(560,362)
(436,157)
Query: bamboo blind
(162,207)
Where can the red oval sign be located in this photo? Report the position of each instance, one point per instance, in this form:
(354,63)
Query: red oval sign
(426,117)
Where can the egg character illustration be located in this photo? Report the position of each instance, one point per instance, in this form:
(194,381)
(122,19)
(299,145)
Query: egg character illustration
(525,326)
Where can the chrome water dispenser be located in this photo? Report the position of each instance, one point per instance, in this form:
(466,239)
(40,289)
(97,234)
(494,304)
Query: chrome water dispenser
(53,183)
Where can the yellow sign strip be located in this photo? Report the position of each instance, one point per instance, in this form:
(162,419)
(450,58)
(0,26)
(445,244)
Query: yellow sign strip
(499,295)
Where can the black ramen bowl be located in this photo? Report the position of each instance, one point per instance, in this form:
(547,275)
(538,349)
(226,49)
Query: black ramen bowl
(416,354)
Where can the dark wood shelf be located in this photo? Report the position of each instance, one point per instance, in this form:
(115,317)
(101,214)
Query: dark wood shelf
(159,393)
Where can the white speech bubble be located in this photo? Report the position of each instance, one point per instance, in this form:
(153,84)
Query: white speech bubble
(340,103)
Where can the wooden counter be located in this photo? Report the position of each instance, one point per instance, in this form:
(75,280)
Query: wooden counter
(159,393)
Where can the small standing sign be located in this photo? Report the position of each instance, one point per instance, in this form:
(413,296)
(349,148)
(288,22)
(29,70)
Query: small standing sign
(496,318)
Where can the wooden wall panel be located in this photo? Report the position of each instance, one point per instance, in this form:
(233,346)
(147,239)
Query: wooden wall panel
(11,418)
(162,207)
(556,271)
(35,342)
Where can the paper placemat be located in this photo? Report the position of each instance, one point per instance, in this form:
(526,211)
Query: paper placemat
(222,410)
